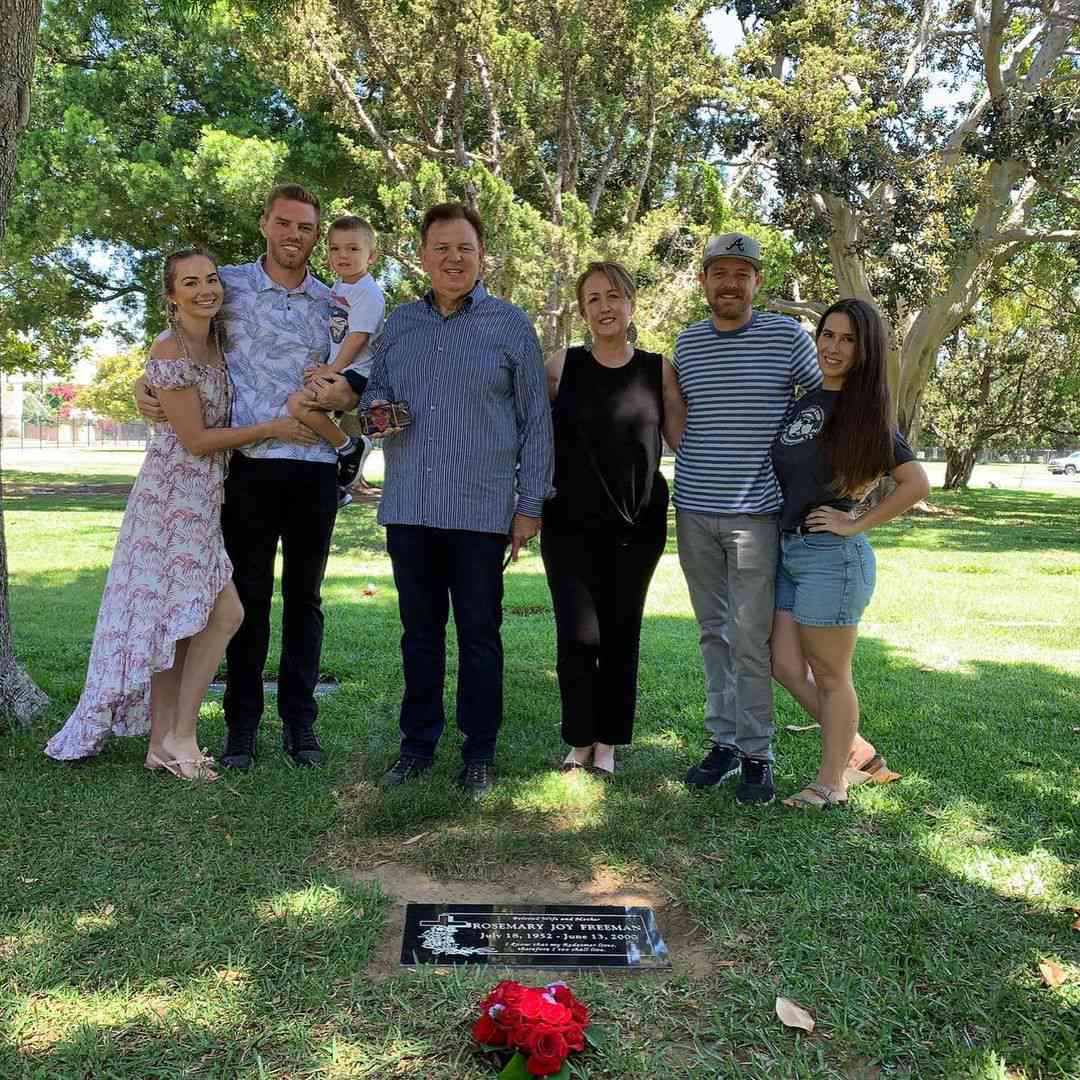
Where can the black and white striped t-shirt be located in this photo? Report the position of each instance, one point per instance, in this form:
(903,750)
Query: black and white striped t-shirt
(738,385)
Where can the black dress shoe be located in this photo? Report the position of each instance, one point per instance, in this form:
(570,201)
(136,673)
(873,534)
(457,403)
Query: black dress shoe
(477,777)
(404,769)
(302,746)
(239,752)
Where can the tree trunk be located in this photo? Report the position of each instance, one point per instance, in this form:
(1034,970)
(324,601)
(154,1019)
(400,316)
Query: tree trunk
(959,465)
(20,699)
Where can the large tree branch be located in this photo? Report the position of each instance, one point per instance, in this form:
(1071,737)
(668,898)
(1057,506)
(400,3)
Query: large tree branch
(802,309)
(989,26)
(106,289)
(494,126)
(357,106)
(1060,26)
(922,39)
(611,158)
(646,168)
(1036,236)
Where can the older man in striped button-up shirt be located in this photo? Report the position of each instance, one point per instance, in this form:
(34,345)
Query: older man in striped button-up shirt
(467,478)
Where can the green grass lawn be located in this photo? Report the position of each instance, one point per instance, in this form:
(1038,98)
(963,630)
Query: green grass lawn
(154,929)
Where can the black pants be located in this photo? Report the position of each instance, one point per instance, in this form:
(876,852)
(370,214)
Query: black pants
(266,500)
(598,580)
(432,568)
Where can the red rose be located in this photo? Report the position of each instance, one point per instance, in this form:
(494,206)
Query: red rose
(575,1037)
(580,1014)
(507,992)
(551,1012)
(524,1037)
(488,1033)
(548,1054)
(508,1017)
(562,994)
(530,1004)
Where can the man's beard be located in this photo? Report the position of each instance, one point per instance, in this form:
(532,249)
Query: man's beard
(729,307)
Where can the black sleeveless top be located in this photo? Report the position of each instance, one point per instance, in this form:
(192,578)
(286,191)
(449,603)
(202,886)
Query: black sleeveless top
(608,443)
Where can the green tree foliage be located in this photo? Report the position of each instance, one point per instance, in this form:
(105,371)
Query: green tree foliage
(109,392)
(833,116)
(146,134)
(576,127)
(1010,376)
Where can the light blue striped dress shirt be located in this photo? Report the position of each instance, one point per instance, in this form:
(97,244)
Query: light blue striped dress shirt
(479,447)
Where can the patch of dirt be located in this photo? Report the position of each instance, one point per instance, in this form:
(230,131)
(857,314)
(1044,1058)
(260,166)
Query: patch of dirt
(532,885)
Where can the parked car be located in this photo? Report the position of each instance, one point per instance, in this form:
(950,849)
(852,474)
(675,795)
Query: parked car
(1069,464)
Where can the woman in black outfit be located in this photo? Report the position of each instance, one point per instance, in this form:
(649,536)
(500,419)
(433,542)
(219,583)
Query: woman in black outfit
(606,526)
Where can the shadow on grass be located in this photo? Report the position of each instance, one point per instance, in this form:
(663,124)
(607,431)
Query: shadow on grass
(930,904)
(911,926)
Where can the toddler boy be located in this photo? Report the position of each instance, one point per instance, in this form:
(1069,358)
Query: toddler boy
(357,306)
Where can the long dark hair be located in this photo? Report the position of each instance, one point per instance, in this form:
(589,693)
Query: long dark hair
(857,439)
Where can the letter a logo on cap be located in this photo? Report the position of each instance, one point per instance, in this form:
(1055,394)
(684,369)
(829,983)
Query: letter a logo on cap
(736,243)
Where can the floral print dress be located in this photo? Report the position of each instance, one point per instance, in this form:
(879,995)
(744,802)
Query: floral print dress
(167,571)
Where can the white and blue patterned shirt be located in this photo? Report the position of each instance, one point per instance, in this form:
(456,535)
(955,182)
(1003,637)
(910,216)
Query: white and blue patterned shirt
(273,334)
(479,447)
(738,385)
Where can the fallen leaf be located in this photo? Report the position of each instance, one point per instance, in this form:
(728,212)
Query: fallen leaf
(368,590)
(855,777)
(108,909)
(884,775)
(792,1015)
(415,839)
(801,727)
(1052,973)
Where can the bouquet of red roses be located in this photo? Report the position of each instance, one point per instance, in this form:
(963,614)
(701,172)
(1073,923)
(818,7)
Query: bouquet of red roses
(542,1024)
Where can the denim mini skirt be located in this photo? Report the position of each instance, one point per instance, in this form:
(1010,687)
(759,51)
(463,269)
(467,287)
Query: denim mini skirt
(824,579)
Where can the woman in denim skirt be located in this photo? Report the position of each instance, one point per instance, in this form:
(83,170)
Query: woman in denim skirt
(835,444)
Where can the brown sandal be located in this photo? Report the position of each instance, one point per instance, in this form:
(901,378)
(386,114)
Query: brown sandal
(800,800)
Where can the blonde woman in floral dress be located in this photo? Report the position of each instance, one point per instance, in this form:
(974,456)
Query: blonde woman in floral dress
(169,606)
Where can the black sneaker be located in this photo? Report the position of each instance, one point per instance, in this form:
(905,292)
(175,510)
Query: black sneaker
(349,459)
(239,752)
(720,764)
(301,745)
(476,777)
(755,784)
(404,769)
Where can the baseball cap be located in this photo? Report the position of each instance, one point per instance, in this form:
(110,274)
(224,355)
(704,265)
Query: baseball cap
(732,246)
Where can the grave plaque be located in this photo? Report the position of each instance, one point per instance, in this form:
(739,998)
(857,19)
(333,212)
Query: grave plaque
(533,935)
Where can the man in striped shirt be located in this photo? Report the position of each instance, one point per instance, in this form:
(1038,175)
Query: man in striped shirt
(738,372)
(468,477)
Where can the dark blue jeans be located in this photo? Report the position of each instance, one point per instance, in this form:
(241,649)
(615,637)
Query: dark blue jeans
(432,568)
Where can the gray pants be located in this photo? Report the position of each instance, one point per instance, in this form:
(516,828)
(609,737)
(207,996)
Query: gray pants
(730,566)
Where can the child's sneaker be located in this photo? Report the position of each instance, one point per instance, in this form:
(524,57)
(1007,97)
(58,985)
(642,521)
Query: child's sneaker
(349,458)
(344,497)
